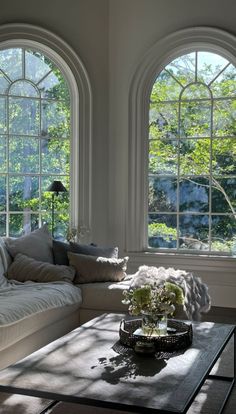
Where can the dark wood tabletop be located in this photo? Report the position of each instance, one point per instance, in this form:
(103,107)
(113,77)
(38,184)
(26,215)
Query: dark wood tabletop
(89,366)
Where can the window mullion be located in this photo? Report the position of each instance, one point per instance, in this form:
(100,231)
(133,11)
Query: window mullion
(40,160)
(7,166)
(210,177)
(178,175)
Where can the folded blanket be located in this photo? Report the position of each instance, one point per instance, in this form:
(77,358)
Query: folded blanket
(196,297)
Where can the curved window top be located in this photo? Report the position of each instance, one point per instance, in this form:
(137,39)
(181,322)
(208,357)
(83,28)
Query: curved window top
(23,88)
(196,74)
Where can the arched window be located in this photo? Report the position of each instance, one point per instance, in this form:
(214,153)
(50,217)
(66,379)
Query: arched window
(182,148)
(45,132)
(192,154)
(35,141)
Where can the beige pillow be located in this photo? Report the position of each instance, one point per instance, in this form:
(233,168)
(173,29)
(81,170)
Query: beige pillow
(97,269)
(37,245)
(25,268)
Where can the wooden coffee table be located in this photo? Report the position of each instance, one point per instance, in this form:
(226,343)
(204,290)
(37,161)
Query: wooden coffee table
(89,366)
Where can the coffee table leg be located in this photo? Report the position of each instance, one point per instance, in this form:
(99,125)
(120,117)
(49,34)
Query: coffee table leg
(51,405)
(231,380)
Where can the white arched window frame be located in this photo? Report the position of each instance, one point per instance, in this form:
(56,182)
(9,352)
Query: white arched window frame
(162,53)
(25,35)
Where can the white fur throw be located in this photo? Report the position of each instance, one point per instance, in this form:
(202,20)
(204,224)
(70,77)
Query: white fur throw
(197,299)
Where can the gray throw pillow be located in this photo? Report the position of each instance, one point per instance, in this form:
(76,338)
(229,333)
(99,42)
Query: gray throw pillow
(60,250)
(37,245)
(110,252)
(97,269)
(25,268)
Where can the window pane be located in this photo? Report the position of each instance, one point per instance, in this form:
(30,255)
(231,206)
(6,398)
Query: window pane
(11,63)
(209,66)
(61,225)
(3,155)
(225,84)
(47,219)
(194,195)
(36,65)
(3,225)
(224,118)
(162,194)
(24,193)
(3,196)
(196,91)
(162,231)
(54,86)
(24,116)
(194,230)
(62,200)
(163,156)
(4,84)
(223,195)
(224,156)
(20,224)
(165,88)
(55,156)
(183,68)
(195,119)
(223,233)
(194,157)
(55,119)
(3,117)
(163,121)
(23,88)
(23,155)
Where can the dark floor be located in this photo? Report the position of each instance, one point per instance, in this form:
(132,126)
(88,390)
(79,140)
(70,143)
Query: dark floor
(220,315)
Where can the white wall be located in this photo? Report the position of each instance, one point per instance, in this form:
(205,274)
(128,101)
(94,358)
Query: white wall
(134,27)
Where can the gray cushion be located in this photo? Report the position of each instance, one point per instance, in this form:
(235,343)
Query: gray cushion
(25,268)
(37,245)
(97,269)
(60,250)
(5,256)
(5,261)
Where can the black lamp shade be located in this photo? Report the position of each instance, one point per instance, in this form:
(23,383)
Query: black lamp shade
(57,187)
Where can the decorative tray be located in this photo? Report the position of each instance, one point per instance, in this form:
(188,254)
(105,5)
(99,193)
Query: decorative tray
(179,335)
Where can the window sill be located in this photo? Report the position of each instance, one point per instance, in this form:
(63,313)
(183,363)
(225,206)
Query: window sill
(188,262)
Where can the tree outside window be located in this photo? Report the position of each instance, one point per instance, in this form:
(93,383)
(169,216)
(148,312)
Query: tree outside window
(35,136)
(192,155)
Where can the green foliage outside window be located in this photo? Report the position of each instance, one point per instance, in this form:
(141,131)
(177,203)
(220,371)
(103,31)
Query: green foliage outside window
(34,142)
(192,155)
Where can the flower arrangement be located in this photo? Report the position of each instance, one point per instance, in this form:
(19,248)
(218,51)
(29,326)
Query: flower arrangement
(154,298)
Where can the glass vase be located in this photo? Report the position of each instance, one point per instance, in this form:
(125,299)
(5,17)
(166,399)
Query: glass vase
(154,324)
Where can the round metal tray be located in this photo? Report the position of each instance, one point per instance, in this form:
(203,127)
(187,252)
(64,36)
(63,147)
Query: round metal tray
(179,335)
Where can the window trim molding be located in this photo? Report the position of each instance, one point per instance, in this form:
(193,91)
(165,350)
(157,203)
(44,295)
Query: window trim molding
(81,124)
(155,60)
